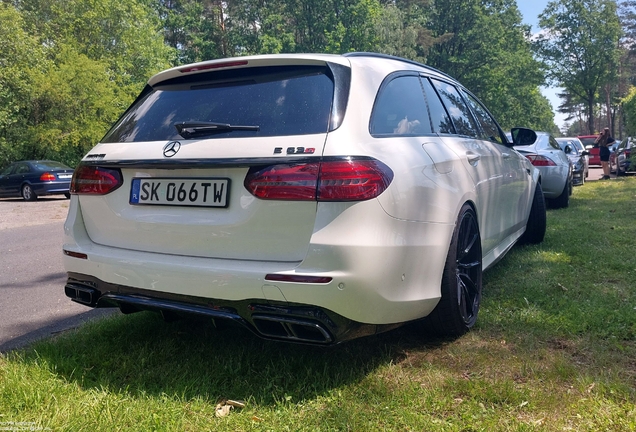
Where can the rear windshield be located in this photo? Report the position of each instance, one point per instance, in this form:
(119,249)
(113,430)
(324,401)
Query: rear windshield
(50,166)
(588,141)
(284,100)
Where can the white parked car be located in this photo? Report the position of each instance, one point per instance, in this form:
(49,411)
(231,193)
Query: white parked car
(554,166)
(310,198)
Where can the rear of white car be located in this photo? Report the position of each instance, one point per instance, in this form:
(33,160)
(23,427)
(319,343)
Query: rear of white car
(253,189)
(554,166)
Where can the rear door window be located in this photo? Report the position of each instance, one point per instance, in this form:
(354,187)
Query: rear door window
(285,100)
(439,117)
(400,109)
(488,125)
(553,143)
(22,169)
(457,108)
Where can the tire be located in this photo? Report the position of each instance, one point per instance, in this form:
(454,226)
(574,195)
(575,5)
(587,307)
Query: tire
(563,200)
(28,194)
(536,225)
(67,195)
(619,173)
(457,310)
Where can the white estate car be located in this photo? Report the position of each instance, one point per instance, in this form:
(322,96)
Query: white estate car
(311,198)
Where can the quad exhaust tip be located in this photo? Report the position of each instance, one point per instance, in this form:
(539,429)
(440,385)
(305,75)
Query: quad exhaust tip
(291,329)
(81,293)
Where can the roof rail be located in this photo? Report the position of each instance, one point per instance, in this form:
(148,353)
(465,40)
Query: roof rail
(390,57)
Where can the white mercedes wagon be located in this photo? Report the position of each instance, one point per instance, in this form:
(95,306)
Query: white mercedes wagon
(311,198)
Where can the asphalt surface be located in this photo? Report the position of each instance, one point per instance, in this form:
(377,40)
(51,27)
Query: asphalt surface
(32,301)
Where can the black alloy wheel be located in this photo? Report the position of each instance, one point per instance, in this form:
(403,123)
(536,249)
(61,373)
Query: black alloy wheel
(456,313)
(468,269)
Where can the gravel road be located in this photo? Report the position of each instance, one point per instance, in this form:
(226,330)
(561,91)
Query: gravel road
(15,212)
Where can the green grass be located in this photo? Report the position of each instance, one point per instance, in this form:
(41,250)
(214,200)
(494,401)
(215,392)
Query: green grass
(554,349)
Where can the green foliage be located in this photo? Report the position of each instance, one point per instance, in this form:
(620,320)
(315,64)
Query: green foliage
(125,35)
(485,46)
(69,69)
(580,47)
(109,48)
(20,54)
(75,104)
(629,111)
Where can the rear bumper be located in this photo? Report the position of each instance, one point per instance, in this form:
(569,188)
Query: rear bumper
(52,188)
(368,280)
(286,322)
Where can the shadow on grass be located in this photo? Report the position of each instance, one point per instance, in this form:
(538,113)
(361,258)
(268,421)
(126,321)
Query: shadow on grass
(141,354)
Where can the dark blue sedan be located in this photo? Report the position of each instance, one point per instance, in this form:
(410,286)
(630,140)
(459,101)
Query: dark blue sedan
(30,179)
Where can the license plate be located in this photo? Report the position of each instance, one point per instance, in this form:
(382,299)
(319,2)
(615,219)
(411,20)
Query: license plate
(64,176)
(206,192)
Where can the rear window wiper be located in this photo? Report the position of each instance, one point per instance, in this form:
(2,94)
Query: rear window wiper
(192,129)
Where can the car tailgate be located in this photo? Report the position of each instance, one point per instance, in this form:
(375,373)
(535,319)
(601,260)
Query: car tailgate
(246,228)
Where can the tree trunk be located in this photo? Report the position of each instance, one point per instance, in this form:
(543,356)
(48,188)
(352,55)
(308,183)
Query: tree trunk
(608,108)
(590,115)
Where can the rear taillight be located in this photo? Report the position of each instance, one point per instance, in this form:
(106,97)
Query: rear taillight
(90,180)
(348,179)
(538,160)
(47,177)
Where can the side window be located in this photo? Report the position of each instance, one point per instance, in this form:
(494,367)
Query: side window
(459,112)
(439,117)
(7,170)
(488,125)
(400,109)
(22,169)
(553,143)
(623,144)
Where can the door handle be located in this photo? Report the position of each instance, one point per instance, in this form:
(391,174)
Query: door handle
(505,155)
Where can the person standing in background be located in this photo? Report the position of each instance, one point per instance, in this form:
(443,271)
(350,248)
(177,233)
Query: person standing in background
(603,141)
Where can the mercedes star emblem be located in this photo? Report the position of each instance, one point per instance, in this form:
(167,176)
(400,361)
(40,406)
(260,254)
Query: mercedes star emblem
(171,148)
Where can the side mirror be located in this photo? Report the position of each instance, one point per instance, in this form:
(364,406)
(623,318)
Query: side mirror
(585,153)
(568,149)
(523,136)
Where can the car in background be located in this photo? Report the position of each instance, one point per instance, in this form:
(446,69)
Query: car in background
(310,198)
(577,159)
(612,159)
(33,178)
(554,166)
(624,157)
(594,158)
(579,145)
(588,142)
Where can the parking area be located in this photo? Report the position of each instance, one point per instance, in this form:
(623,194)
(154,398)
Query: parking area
(16,212)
